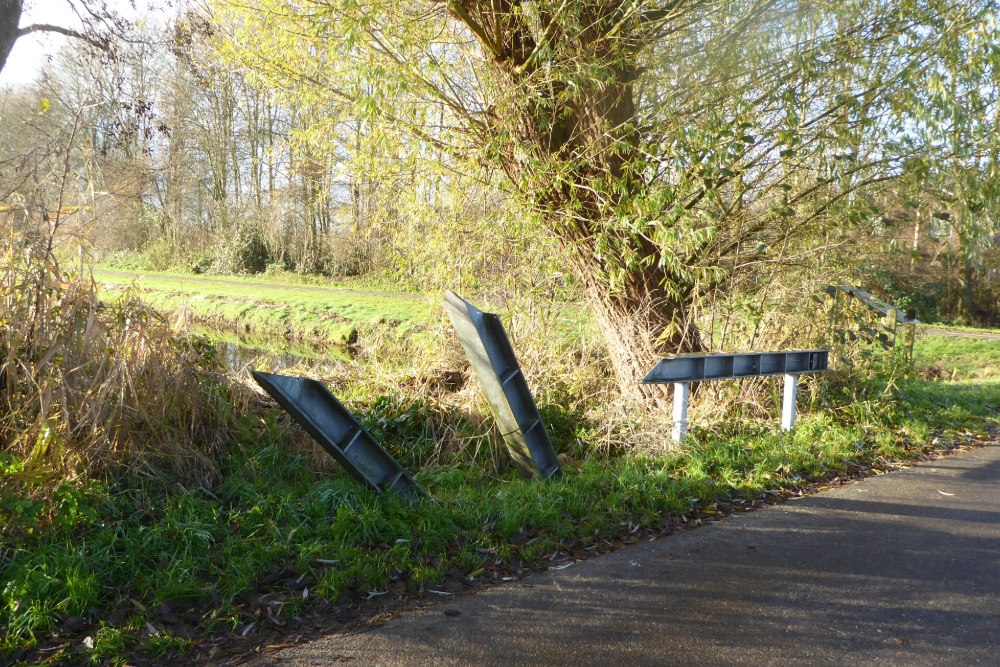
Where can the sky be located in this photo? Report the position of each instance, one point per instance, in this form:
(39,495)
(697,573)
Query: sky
(31,52)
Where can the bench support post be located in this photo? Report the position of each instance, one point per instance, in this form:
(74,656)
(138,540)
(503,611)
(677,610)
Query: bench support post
(788,403)
(682,369)
(682,392)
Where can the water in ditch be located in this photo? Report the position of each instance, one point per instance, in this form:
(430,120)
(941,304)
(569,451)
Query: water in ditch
(243,354)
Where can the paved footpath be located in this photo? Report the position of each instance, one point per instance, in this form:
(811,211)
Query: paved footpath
(901,569)
(961,333)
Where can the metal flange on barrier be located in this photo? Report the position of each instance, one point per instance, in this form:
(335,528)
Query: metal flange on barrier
(333,426)
(486,344)
(683,369)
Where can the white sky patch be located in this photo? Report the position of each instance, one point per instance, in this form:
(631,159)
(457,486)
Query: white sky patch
(32,52)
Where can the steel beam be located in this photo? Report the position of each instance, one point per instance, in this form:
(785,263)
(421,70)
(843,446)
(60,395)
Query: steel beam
(338,432)
(683,369)
(701,367)
(486,344)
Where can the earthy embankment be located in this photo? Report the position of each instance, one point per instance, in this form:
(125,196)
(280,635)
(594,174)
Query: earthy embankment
(316,315)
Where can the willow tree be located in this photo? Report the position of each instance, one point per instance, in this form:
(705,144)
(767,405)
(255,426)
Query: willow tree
(666,146)
(959,114)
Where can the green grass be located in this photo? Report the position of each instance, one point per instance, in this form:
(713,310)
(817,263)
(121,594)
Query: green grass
(257,312)
(959,358)
(249,346)
(277,312)
(126,557)
(959,327)
(289,278)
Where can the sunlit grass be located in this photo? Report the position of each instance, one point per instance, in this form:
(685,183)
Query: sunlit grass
(277,312)
(271,521)
(958,358)
(272,512)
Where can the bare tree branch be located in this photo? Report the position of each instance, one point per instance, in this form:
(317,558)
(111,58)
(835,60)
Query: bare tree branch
(69,32)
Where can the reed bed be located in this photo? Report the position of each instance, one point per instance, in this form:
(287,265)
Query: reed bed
(99,387)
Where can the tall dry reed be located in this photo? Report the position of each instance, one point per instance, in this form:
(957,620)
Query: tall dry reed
(98,387)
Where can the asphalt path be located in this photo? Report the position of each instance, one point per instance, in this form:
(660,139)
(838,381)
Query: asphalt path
(898,569)
(961,333)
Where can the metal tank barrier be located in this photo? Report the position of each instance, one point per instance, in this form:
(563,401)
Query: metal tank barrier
(489,350)
(332,425)
(683,369)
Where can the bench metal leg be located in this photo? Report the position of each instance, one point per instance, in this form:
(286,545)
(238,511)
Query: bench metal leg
(682,392)
(788,403)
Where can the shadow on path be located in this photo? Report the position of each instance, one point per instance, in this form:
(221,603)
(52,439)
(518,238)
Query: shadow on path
(889,570)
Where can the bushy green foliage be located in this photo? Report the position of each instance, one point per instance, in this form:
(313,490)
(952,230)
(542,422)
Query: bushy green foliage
(243,251)
(157,255)
(932,290)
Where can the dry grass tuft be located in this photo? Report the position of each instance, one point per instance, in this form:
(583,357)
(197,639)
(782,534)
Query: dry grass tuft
(95,387)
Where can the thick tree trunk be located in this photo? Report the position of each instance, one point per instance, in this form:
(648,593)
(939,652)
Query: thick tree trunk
(639,322)
(10,18)
(631,330)
(572,145)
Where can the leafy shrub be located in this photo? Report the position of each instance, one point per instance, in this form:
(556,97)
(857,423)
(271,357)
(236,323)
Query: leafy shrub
(159,255)
(245,252)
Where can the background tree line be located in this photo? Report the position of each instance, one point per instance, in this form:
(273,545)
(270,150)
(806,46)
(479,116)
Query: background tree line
(181,159)
(694,169)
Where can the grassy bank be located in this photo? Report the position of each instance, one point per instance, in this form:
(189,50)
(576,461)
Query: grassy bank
(327,314)
(955,357)
(109,571)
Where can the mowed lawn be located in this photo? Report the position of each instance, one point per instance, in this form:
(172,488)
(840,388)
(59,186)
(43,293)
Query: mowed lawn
(326,314)
(959,357)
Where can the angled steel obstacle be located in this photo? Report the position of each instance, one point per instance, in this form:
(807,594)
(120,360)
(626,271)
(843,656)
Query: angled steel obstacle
(683,369)
(338,432)
(889,311)
(887,332)
(486,344)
